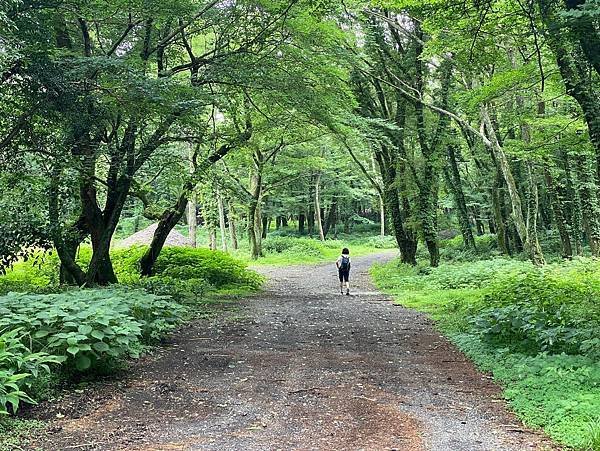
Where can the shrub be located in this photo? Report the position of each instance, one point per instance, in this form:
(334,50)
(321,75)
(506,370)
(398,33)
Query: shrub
(552,309)
(454,250)
(90,327)
(217,268)
(531,330)
(305,249)
(381,242)
(278,244)
(184,291)
(19,367)
(185,270)
(293,246)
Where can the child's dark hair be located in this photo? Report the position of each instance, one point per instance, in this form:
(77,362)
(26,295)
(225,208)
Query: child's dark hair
(345,251)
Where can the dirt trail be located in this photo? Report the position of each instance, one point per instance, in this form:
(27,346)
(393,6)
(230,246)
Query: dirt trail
(301,368)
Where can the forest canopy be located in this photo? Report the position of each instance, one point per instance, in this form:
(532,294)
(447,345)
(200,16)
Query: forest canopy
(423,116)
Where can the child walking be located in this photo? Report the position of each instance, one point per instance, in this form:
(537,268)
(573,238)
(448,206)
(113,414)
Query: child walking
(343,266)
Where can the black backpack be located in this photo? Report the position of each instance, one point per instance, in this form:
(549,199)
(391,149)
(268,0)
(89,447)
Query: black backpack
(345,263)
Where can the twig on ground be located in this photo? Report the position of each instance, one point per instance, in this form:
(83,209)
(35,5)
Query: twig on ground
(307,389)
(364,397)
(85,444)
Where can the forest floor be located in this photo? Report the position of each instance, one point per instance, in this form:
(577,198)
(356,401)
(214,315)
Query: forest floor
(297,366)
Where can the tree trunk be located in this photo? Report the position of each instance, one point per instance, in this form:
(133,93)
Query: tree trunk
(381,214)
(331,218)
(70,270)
(192,205)
(497,205)
(301,222)
(406,244)
(573,71)
(310,219)
(588,193)
(318,218)
(222,226)
(192,220)
(532,247)
(573,208)
(559,216)
(266,225)
(168,221)
(232,227)
(254,215)
(100,270)
(212,238)
(454,182)
(532,214)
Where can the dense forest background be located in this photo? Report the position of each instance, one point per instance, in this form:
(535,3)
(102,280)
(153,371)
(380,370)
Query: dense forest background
(479,117)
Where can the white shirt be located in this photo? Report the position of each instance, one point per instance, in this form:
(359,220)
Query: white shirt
(338,262)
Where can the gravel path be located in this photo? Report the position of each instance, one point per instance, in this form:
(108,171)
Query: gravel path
(300,367)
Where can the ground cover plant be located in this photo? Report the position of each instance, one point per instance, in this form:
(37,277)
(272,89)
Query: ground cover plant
(82,330)
(537,330)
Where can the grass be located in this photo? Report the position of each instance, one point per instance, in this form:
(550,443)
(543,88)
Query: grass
(552,382)
(329,252)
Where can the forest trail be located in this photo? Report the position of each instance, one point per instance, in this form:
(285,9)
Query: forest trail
(300,367)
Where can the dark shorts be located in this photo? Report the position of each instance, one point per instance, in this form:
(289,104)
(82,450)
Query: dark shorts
(344,274)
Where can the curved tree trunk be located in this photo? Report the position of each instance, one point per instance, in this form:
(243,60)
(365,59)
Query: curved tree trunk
(531,244)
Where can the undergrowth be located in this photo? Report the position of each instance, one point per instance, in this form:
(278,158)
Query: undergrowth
(537,330)
(288,250)
(15,433)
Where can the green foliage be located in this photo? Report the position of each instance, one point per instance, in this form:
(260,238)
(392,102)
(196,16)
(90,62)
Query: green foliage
(298,247)
(184,291)
(19,366)
(381,242)
(180,272)
(455,250)
(552,309)
(15,433)
(535,329)
(560,393)
(217,268)
(90,327)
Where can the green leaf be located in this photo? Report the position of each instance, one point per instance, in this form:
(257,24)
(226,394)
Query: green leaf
(100,346)
(73,350)
(85,329)
(98,334)
(41,333)
(83,362)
